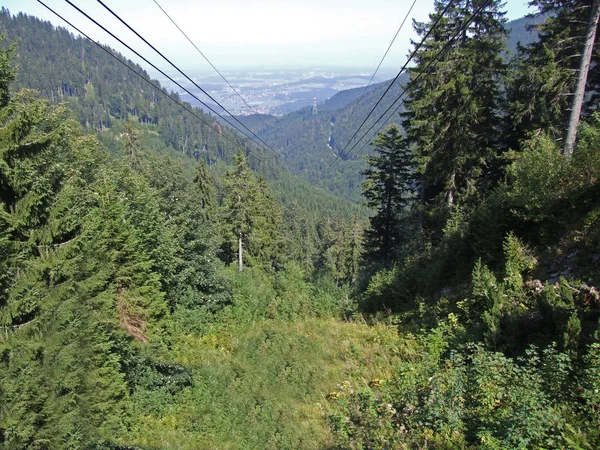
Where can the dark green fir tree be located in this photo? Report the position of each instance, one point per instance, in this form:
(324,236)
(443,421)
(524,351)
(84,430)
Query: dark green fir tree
(453,113)
(542,83)
(388,190)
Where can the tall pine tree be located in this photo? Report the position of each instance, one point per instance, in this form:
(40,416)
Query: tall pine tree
(541,87)
(251,218)
(453,113)
(388,190)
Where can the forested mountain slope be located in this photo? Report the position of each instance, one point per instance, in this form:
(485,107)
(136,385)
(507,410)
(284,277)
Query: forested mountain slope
(105,94)
(114,253)
(101,90)
(149,300)
(312,143)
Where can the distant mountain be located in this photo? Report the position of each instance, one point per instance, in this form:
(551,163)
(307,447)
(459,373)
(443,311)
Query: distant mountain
(312,143)
(104,94)
(523,31)
(343,98)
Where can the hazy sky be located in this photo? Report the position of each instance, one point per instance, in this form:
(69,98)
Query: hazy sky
(256,33)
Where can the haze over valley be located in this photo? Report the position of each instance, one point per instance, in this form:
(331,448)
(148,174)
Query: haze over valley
(276,91)
(209,260)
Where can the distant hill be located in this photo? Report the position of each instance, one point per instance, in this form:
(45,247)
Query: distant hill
(104,94)
(102,91)
(343,98)
(311,143)
(522,31)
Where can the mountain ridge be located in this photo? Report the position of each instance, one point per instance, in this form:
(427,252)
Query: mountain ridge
(311,144)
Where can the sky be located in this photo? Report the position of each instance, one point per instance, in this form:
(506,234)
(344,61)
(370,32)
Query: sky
(256,34)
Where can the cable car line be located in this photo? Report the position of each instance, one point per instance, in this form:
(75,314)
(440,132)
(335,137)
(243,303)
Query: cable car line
(157,87)
(413,82)
(162,72)
(211,64)
(183,73)
(341,154)
(380,62)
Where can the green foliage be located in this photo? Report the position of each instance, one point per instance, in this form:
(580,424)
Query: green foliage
(382,291)
(119,326)
(260,370)
(544,75)
(251,218)
(367,421)
(537,179)
(288,296)
(62,347)
(453,114)
(590,376)
(7,71)
(341,247)
(388,190)
(92,266)
(473,399)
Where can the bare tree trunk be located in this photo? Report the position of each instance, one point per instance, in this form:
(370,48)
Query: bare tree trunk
(450,192)
(422,199)
(240,249)
(584,67)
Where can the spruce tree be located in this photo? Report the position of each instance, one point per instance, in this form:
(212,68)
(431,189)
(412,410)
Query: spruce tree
(61,380)
(301,236)
(453,113)
(388,190)
(265,244)
(205,187)
(238,209)
(180,234)
(541,86)
(7,71)
(251,218)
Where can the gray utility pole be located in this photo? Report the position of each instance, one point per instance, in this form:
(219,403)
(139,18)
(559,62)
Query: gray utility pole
(584,67)
(240,250)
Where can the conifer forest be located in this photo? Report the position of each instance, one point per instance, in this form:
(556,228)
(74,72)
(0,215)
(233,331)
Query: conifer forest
(169,280)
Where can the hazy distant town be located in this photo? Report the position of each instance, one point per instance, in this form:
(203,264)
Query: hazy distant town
(276,91)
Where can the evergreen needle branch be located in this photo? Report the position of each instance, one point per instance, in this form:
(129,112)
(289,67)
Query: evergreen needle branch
(426,71)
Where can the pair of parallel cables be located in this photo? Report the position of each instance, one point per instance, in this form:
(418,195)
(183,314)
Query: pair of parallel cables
(426,71)
(248,133)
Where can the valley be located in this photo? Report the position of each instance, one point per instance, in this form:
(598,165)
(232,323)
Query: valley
(274,92)
(414,265)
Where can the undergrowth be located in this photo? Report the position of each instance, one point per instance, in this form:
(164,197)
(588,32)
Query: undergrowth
(262,375)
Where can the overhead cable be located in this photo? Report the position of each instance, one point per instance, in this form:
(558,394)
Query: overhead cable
(419,45)
(380,62)
(164,74)
(209,62)
(160,89)
(264,144)
(416,80)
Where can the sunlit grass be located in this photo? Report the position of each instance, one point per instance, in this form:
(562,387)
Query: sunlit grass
(266,385)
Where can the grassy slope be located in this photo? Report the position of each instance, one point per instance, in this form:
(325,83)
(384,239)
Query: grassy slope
(262,376)
(265,386)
